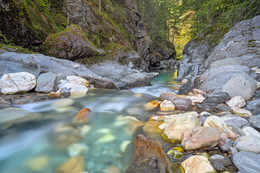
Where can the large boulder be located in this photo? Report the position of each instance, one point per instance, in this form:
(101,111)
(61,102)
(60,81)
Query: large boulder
(247,162)
(11,62)
(122,76)
(70,44)
(17,82)
(45,82)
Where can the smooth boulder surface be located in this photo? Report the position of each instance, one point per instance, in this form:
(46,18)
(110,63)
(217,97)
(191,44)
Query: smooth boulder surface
(240,85)
(12,83)
(249,131)
(197,164)
(248,143)
(45,82)
(247,162)
(200,137)
(175,125)
(255,120)
(124,77)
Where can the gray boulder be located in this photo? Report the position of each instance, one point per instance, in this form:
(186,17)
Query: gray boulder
(122,76)
(255,120)
(234,121)
(240,85)
(247,162)
(45,82)
(62,68)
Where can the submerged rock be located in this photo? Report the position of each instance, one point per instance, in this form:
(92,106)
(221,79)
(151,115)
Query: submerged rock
(12,83)
(247,162)
(38,163)
(73,165)
(200,137)
(77,149)
(197,164)
(82,116)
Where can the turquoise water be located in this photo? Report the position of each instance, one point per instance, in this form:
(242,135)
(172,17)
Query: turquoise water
(43,144)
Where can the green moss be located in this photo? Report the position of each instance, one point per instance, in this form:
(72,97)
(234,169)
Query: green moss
(113,47)
(17,49)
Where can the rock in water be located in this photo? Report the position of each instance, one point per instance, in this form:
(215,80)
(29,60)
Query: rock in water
(73,165)
(240,85)
(167,105)
(45,82)
(17,82)
(197,164)
(82,116)
(248,143)
(200,137)
(247,162)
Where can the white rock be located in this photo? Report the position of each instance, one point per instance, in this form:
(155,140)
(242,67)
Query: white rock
(17,82)
(249,131)
(77,149)
(241,112)
(236,101)
(75,88)
(197,164)
(77,80)
(214,121)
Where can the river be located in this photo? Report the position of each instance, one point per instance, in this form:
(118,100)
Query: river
(42,145)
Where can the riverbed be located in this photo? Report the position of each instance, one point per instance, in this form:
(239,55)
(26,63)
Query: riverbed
(44,143)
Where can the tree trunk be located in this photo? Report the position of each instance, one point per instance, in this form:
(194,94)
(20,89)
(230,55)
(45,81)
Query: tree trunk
(99,7)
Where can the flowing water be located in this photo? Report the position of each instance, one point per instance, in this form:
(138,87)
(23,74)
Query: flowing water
(43,144)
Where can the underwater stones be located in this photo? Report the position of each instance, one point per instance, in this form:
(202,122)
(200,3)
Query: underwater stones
(4,104)
(77,149)
(167,105)
(200,137)
(73,165)
(37,164)
(17,82)
(16,115)
(247,162)
(75,84)
(218,123)
(248,143)
(152,105)
(175,125)
(197,164)
(82,116)
(182,103)
(45,82)
(236,101)
(145,148)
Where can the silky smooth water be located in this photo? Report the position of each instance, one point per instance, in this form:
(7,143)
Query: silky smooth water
(41,145)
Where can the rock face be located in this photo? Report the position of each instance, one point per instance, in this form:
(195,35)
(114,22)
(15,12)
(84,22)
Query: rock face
(122,76)
(247,162)
(175,125)
(200,137)
(12,83)
(197,164)
(45,82)
(69,44)
(228,66)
